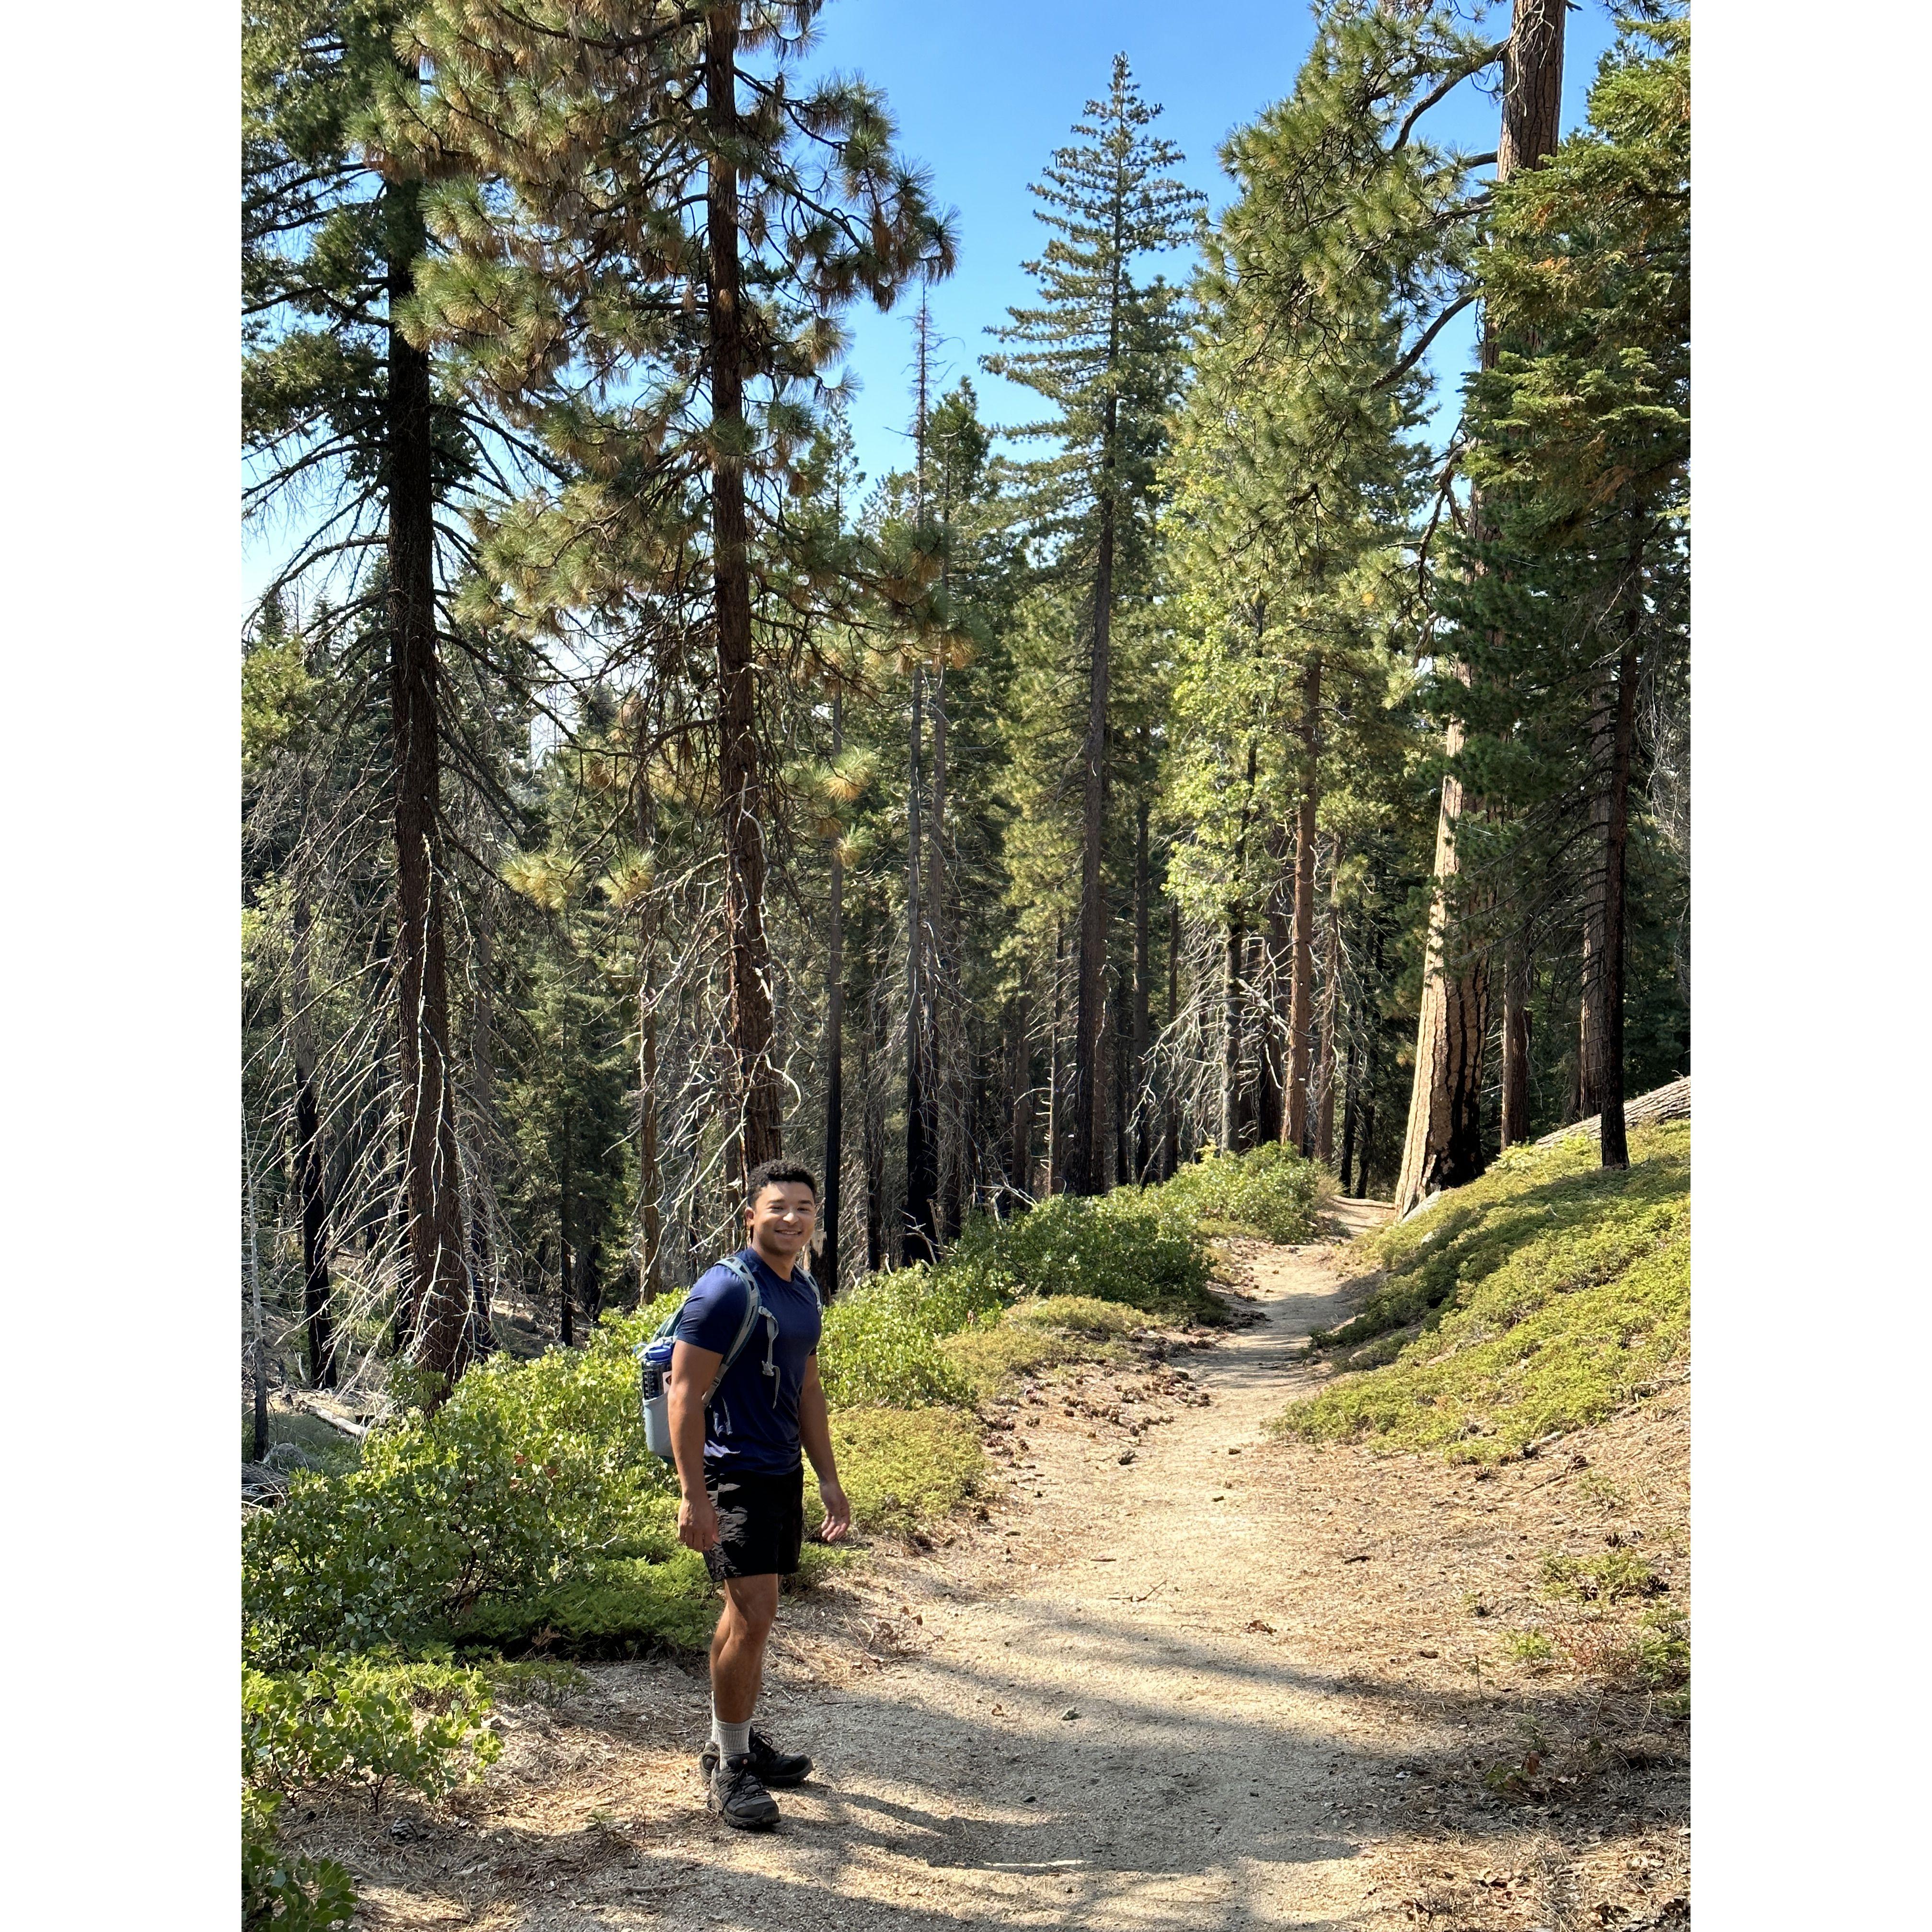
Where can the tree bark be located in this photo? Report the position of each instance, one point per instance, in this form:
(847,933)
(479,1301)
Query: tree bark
(1348,1098)
(755,1133)
(1600,1044)
(1137,1082)
(873,1149)
(1301,996)
(1277,975)
(918,1239)
(1056,1086)
(436,1321)
(1331,969)
(1516,1042)
(1230,1034)
(1170,1113)
(311,1189)
(1089,1096)
(835,1044)
(1443,1145)
(949,1147)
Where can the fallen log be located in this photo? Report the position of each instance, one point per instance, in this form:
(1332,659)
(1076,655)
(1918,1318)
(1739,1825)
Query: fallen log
(1670,1102)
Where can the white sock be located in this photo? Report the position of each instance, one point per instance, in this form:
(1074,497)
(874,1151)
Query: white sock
(732,1740)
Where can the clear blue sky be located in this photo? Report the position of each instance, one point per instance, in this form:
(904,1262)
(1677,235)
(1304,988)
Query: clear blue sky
(984,90)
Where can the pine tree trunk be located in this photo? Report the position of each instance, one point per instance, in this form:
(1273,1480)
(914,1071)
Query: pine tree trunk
(1301,996)
(755,1132)
(835,1044)
(918,1238)
(435,1321)
(1348,1097)
(1056,1084)
(565,1256)
(1443,1145)
(650,1185)
(1170,1111)
(949,1135)
(1276,976)
(1516,1042)
(1331,971)
(483,1246)
(1230,1035)
(873,1148)
(309,1177)
(1021,1099)
(1600,1044)
(260,1450)
(1089,1098)
(1139,1081)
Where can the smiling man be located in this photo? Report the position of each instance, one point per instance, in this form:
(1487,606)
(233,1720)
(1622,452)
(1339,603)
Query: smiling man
(740,1471)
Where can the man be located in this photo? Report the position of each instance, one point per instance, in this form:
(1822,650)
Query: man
(738,1469)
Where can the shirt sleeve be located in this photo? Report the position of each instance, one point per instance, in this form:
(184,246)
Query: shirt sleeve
(712,1312)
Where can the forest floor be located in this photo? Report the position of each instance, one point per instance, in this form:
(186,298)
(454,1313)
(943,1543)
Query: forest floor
(1181,1674)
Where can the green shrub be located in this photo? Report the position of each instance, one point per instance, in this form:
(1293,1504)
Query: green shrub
(1035,1335)
(1075,1314)
(371,1721)
(283,1892)
(1271,1192)
(900,1465)
(322,1447)
(631,1607)
(1130,1247)
(1549,1292)
(881,1343)
(1528,1646)
(531,1472)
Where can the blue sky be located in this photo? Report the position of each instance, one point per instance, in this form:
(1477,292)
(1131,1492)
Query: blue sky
(983,91)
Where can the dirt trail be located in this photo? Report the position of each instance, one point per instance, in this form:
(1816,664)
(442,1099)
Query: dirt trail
(1139,1698)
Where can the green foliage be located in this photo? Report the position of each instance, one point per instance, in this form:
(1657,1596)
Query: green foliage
(530,1473)
(1550,1292)
(1130,1246)
(324,1448)
(372,1721)
(1528,1646)
(1271,1192)
(632,1606)
(881,1343)
(1608,1576)
(282,1890)
(901,1466)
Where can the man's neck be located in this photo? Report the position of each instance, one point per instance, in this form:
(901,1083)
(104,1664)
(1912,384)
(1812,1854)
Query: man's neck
(779,1264)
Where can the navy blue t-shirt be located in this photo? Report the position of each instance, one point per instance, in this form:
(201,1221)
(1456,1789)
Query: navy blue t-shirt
(752,1423)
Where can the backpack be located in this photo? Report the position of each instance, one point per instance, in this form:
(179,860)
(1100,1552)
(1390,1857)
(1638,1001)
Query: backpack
(654,1357)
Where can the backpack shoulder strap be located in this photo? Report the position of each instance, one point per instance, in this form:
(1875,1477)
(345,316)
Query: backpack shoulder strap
(754,1307)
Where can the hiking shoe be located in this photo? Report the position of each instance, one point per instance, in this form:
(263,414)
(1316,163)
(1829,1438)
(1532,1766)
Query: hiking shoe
(736,1796)
(777,1770)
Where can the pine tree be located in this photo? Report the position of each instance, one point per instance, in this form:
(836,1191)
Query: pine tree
(333,392)
(1579,428)
(1101,348)
(649,236)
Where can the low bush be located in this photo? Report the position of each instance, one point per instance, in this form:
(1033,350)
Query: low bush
(881,1346)
(371,1722)
(282,1890)
(633,1606)
(1549,1293)
(1610,1575)
(1132,1247)
(532,1472)
(900,1465)
(1271,1192)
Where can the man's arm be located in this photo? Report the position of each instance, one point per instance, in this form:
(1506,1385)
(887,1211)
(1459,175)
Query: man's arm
(691,1369)
(814,1431)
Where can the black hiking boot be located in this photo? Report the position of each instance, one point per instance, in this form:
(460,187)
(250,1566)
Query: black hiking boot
(736,1796)
(778,1770)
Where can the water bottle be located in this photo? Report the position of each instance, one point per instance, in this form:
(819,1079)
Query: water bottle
(654,1393)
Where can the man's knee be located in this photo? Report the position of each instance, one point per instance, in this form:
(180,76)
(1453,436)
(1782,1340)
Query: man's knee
(755,1602)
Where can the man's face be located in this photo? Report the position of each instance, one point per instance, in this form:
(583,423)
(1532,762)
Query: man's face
(780,1220)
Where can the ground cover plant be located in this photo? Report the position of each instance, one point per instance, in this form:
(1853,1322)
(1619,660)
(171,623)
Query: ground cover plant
(1537,1299)
(1271,1192)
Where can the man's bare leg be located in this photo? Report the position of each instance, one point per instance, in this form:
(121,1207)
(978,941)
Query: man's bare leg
(738,1646)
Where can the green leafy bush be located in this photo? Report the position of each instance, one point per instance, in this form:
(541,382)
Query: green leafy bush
(369,1721)
(1133,1245)
(529,1474)
(881,1343)
(1271,1192)
(282,1890)
(1610,1575)
(633,1606)
(1035,1335)
(1549,1292)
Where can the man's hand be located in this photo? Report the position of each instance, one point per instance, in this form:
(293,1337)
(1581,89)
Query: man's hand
(838,1510)
(697,1523)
